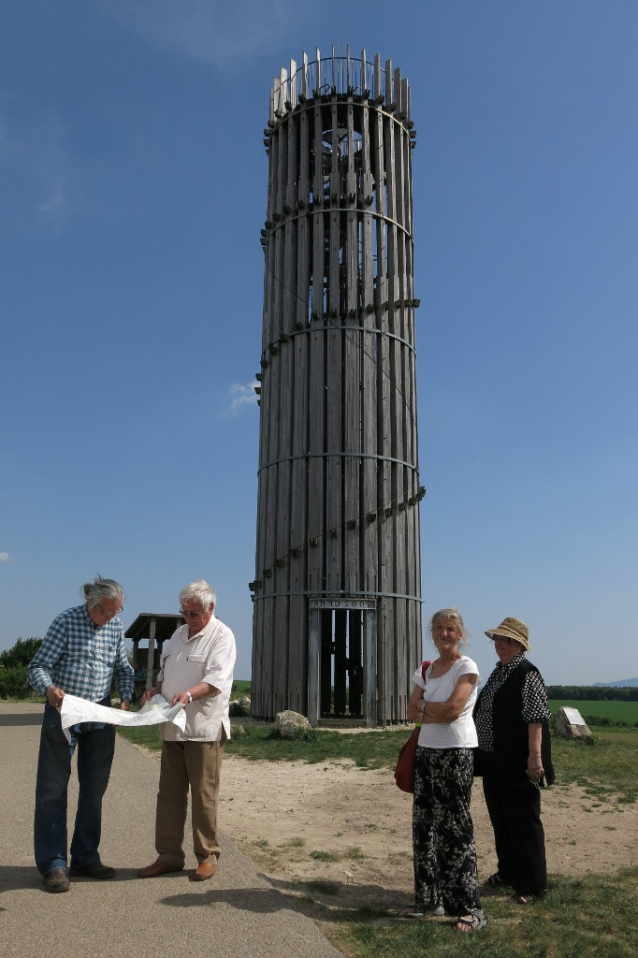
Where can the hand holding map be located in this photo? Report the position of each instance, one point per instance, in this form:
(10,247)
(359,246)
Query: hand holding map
(74,710)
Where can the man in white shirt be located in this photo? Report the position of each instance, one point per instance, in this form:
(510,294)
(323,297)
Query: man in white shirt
(196,669)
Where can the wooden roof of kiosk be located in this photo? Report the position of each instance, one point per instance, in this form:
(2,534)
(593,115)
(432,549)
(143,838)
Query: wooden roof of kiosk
(154,627)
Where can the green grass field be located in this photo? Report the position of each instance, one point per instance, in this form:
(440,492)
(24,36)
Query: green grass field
(614,711)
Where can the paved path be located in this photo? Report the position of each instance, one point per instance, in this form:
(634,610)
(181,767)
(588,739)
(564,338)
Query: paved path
(237,913)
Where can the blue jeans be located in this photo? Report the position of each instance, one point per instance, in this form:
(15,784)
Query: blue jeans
(95,754)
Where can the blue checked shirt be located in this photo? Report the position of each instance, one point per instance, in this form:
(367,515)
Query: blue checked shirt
(81,658)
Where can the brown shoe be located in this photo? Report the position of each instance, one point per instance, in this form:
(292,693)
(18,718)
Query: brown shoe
(158,868)
(56,880)
(205,870)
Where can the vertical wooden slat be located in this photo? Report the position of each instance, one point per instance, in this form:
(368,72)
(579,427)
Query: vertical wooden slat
(334,442)
(314,652)
(353,344)
(316,430)
(298,658)
(377,91)
(385,530)
(304,75)
(369,491)
(398,90)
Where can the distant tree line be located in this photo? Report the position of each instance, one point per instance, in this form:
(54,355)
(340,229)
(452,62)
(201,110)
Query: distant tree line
(13,668)
(592,693)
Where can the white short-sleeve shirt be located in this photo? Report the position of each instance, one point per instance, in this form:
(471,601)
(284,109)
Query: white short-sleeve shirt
(209,657)
(461,733)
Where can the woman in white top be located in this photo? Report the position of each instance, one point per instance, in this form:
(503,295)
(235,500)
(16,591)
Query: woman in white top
(445,872)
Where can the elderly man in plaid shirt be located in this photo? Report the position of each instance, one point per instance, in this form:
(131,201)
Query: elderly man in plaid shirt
(82,653)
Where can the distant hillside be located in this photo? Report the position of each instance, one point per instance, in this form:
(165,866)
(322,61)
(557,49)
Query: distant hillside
(621,684)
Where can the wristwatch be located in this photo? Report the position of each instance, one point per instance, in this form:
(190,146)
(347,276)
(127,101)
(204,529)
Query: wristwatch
(190,697)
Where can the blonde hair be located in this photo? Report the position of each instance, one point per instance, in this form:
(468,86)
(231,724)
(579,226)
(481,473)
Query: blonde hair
(455,616)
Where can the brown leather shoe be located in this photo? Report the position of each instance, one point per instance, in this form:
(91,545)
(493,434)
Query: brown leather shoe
(205,870)
(158,868)
(56,881)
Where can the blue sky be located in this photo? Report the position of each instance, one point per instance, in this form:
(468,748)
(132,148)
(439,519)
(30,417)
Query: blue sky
(132,192)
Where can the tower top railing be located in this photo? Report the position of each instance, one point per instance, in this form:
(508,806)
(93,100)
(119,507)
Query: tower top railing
(339,75)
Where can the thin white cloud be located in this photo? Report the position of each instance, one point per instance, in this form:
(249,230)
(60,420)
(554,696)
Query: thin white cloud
(219,32)
(241,396)
(5,557)
(56,205)
(34,163)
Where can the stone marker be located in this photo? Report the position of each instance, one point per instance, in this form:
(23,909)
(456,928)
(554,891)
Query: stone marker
(289,724)
(569,723)
(239,707)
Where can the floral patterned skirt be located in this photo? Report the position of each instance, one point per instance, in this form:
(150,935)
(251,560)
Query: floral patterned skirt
(445,869)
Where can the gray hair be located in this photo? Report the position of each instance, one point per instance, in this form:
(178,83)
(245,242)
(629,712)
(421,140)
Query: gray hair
(455,616)
(102,589)
(199,592)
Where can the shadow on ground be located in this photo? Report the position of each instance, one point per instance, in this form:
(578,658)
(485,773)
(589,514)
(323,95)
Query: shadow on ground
(25,718)
(259,900)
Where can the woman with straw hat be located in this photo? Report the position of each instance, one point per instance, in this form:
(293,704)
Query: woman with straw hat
(514,758)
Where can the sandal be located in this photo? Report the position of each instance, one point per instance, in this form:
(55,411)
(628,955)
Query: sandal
(413,912)
(494,881)
(521,899)
(474,920)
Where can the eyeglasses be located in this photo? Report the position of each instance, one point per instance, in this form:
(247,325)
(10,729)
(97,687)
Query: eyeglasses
(190,615)
(109,615)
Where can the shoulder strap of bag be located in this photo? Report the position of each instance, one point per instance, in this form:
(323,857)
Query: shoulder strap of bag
(424,668)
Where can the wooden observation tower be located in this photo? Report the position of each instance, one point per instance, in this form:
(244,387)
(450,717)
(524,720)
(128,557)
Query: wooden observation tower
(337,591)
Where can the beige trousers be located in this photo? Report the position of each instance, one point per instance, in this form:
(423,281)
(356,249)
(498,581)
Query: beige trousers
(184,764)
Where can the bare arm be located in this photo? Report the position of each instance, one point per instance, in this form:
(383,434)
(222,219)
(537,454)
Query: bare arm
(534,760)
(415,705)
(197,692)
(450,710)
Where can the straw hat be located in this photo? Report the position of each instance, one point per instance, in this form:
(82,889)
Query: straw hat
(511,628)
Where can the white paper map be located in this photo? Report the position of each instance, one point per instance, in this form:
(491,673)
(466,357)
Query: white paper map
(156,710)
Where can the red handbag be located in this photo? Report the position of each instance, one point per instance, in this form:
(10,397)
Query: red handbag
(404,772)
